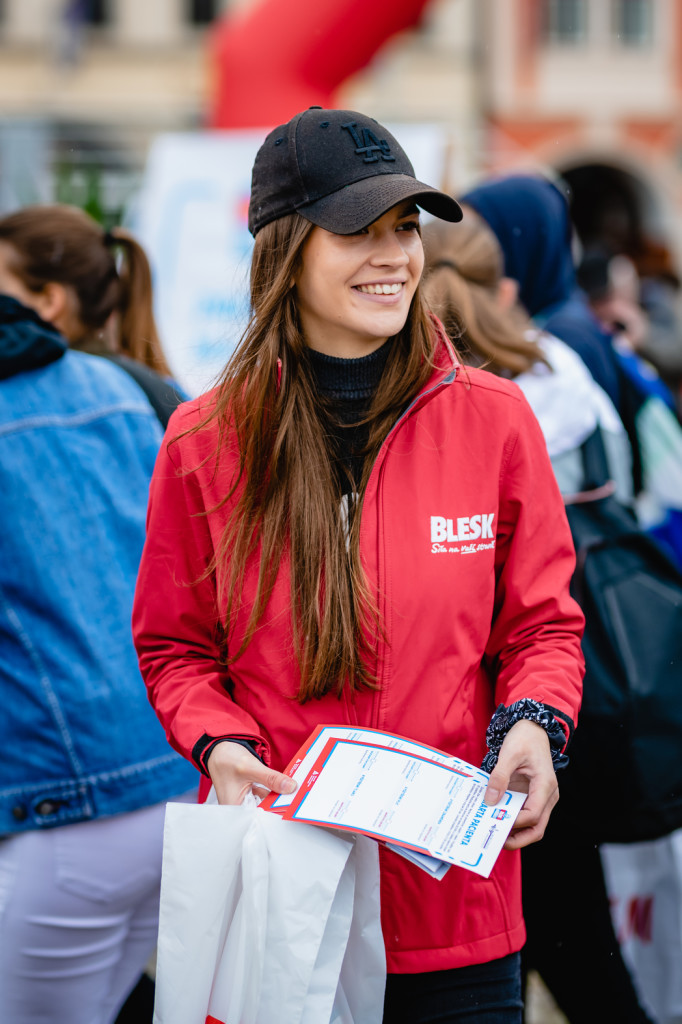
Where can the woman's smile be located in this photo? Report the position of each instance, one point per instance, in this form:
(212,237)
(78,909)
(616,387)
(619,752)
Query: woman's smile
(382,290)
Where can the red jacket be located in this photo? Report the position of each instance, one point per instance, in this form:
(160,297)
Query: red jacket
(465,539)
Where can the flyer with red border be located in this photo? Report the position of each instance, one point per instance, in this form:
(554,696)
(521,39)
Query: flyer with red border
(424,803)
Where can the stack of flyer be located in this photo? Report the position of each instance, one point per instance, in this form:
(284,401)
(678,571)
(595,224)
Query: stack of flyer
(424,804)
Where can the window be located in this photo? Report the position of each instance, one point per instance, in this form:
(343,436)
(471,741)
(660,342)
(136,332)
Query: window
(201,12)
(633,22)
(98,13)
(87,12)
(565,21)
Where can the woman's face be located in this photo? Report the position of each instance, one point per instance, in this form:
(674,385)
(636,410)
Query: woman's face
(55,303)
(354,291)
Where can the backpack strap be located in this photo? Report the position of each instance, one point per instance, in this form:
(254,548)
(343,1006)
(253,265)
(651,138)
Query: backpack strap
(597,482)
(161,395)
(595,461)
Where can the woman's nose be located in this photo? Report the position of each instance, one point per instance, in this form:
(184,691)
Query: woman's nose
(388,251)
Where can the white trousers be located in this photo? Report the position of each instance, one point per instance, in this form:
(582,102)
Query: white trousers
(79,911)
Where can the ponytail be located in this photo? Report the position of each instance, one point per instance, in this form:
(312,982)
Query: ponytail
(139,338)
(63,244)
(464,267)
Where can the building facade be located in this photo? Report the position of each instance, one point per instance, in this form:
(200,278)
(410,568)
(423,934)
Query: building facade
(591,89)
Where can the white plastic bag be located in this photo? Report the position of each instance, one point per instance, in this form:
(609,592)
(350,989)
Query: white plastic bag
(266,920)
(644,883)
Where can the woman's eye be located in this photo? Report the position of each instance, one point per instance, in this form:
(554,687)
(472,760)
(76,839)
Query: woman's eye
(409,225)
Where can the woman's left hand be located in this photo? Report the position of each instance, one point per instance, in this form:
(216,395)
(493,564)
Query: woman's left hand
(525,765)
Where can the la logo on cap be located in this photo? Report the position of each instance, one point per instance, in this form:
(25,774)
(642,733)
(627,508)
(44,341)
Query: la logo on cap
(367,145)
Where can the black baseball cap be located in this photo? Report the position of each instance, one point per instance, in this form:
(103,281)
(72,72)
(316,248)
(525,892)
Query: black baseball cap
(339,169)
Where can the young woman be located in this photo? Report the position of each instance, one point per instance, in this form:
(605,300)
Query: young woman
(301,564)
(94,286)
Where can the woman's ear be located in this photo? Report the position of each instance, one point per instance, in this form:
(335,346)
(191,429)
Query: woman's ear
(57,304)
(51,302)
(507,293)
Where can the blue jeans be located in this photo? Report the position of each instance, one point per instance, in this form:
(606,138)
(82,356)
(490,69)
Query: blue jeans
(481,994)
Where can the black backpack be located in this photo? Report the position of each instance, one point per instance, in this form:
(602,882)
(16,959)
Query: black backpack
(624,780)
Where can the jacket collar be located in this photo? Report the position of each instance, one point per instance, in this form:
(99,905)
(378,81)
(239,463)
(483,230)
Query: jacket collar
(445,356)
(26,341)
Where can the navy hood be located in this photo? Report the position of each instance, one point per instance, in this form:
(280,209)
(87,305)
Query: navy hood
(530,217)
(26,341)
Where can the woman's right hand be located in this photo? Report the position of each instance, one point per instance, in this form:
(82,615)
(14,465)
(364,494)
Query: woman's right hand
(235,772)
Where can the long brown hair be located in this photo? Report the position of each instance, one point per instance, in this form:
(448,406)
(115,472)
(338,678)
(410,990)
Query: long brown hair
(286,497)
(63,244)
(464,267)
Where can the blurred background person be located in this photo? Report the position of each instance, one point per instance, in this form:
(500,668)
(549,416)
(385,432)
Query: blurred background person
(640,269)
(570,933)
(479,306)
(94,286)
(86,770)
(643,315)
(530,218)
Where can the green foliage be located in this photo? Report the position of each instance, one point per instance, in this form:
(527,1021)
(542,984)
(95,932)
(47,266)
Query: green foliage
(82,185)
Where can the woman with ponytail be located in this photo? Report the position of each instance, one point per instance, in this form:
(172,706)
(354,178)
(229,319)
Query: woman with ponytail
(94,286)
(300,566)
(466,287)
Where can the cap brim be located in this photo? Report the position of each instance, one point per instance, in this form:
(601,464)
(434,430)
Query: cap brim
(359,204)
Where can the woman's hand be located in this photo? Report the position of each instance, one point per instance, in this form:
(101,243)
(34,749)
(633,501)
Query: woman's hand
(525,765)
(235,772)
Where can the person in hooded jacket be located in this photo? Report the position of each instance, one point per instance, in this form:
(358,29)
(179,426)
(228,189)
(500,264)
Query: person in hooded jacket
(530,218)
(299,568)
(465,285)
(86,770)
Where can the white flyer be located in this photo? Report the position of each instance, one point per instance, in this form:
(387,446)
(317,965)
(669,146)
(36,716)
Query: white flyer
(419,800)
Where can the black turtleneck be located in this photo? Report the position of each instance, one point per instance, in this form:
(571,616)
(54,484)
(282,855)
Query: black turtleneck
(348,387)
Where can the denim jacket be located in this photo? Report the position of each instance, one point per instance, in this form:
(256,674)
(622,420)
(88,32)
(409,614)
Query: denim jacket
(78,440)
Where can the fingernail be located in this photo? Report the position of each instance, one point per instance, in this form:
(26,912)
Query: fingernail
(289,786)
(492,796)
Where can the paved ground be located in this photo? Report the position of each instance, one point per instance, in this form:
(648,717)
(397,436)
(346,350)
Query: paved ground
(540,1007)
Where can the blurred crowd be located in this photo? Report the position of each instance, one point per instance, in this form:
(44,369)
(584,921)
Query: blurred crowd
(589,328)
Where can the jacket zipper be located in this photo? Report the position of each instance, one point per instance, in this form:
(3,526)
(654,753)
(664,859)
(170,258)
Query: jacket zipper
(375,716)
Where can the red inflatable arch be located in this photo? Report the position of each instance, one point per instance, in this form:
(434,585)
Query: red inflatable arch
(281,56)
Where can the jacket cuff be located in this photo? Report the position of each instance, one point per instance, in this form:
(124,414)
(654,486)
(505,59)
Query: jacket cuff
(559,729)
(203,747)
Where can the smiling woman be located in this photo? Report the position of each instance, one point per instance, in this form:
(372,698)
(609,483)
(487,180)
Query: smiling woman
(355,291)
(289,577)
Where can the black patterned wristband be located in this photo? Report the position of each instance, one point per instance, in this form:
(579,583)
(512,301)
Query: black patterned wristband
(530,711)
